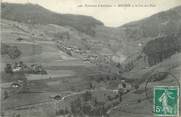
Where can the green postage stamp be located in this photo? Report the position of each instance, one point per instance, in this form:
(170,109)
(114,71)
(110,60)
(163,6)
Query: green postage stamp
(166,101)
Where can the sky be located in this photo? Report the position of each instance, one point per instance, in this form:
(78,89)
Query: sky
(110,16)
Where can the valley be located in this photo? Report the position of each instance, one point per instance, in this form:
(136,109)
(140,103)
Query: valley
(77,67)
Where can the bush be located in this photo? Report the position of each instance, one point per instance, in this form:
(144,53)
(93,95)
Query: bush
(129,67)
(87,96)
(76,106)
(12,51)
(8,68)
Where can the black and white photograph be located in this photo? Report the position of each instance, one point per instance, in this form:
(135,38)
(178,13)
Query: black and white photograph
(90,58)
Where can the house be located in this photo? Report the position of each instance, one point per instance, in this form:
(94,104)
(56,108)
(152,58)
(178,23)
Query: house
(124,87)
(17,67)
(15,85)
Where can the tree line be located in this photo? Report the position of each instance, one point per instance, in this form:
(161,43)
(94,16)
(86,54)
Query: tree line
(162,48)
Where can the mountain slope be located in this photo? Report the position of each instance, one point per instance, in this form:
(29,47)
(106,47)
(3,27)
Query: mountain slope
(152,40)
(163,23)
(126,41)
(35,14)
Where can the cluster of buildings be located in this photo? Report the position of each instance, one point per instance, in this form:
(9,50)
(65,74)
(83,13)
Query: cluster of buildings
(86,55)
(21,67)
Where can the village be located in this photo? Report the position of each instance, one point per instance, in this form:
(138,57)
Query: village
(22,67)
(86,55)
